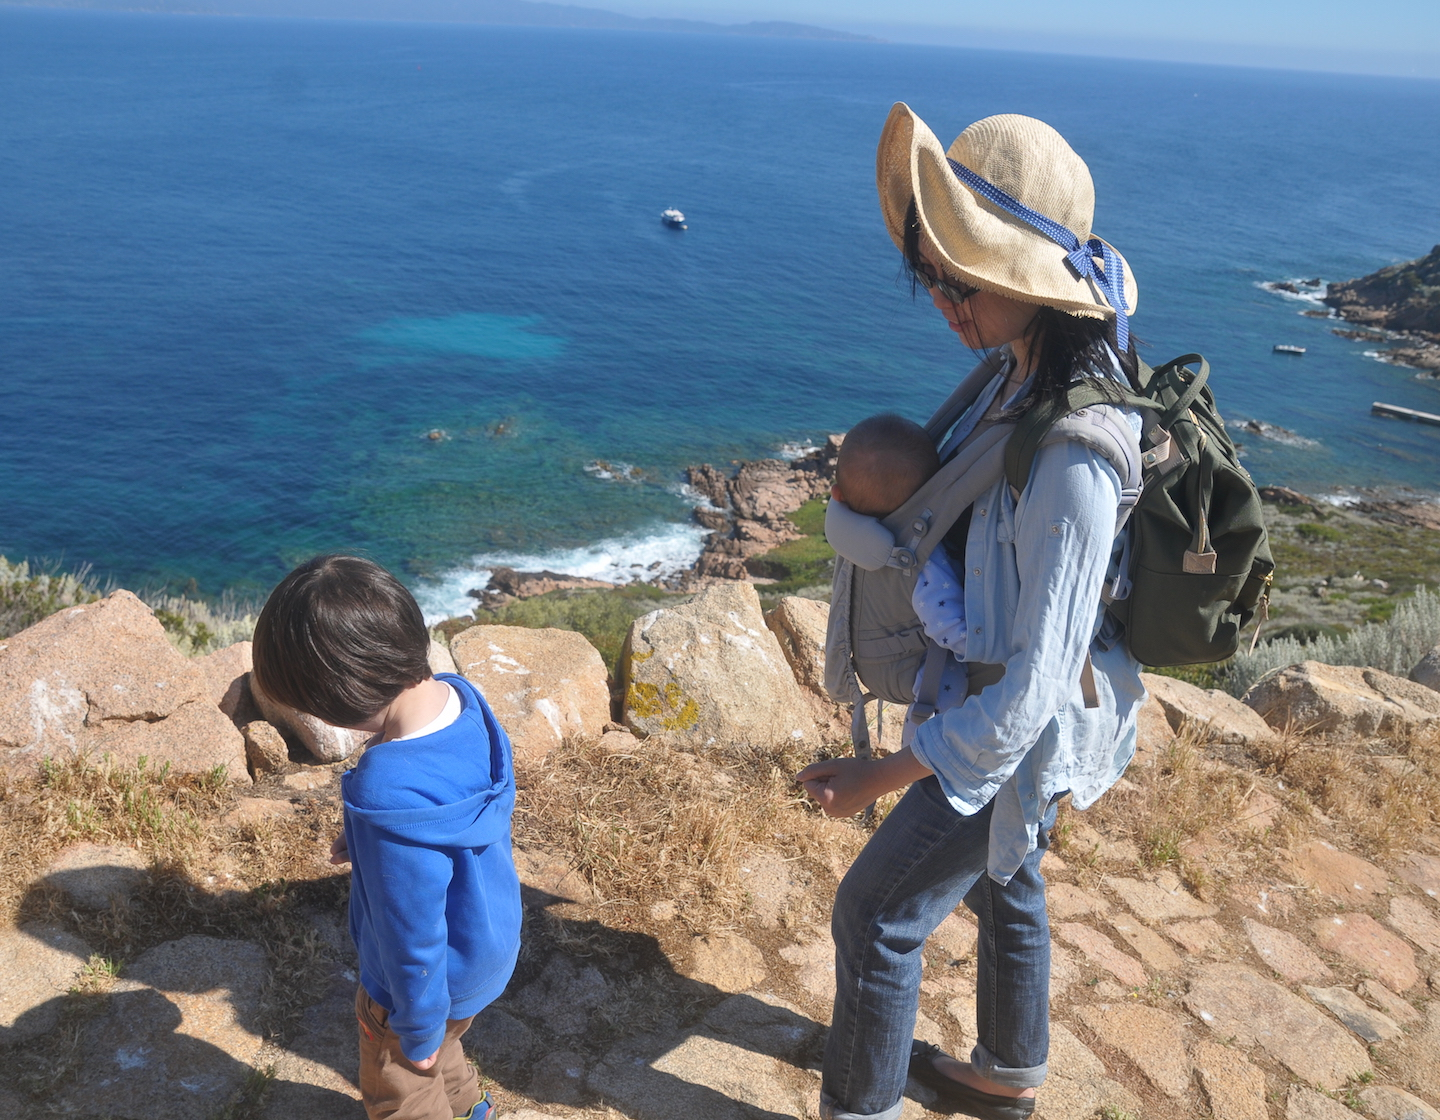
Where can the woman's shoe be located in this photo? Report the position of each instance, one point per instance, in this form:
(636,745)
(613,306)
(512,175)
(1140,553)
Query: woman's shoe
(956,1096)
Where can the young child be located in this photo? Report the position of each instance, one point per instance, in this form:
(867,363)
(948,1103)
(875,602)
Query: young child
(434,897)
(882,462)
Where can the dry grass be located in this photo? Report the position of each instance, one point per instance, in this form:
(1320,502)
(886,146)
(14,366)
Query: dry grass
(1182,794)
(1385,792)
(254,882)
(665,825)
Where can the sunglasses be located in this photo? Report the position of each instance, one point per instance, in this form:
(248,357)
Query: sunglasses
(953,292)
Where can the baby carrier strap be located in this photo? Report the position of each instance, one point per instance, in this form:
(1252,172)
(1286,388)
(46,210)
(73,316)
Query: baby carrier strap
(964,396)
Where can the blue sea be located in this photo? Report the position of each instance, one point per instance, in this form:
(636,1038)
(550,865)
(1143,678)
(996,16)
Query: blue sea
(249,268)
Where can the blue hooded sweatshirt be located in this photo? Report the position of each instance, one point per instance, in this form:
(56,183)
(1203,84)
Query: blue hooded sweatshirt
(434,898)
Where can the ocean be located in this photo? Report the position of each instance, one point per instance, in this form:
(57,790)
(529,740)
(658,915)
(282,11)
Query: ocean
(276,287)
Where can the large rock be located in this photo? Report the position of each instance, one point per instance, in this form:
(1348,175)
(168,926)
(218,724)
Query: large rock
(1386,1102)
(800,625)
(544,685)
(93,876)
(698,1075)
(1344,701)
(38,965)
(1355,1013)
(1245,1008)
(1217,715)
(227,680)
(710,672)
(1078,1087)
(325,741)
(1286,953)
(1335,873)
(727,961)
(194,739)
(1362,940)
(1161,898)
(564,996)
(1427,670)
(1235,1088)
(1103,953)
(1151,1038)
(317,1073)
(181,1034)
(1416,921)
(77,675)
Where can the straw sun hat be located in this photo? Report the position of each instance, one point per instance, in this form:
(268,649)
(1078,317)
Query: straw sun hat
(1007,209)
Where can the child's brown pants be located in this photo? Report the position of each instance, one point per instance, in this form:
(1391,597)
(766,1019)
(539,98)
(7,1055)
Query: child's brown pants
(393,1089)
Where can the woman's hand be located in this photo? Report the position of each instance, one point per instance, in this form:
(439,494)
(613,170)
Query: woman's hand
(843,787)
(339,850)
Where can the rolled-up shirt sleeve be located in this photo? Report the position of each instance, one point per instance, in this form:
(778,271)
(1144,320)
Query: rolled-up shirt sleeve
(1064,533)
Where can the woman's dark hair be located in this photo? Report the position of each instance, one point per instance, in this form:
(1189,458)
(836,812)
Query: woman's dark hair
(1066,346)
(339,639)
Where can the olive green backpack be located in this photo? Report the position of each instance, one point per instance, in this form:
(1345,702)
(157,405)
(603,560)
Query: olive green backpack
(1196,564)
(1200,564)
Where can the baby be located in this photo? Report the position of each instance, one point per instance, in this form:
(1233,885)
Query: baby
(882,462)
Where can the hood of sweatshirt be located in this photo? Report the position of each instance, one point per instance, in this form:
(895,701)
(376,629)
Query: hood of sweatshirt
(439,790)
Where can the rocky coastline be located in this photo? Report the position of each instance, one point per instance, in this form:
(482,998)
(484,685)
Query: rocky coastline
(746,512)
(1399,305)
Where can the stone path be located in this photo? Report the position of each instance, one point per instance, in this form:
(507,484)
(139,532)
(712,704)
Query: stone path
(1313,997)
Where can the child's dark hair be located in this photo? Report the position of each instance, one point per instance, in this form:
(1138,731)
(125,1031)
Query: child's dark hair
(340,638)
(882,462)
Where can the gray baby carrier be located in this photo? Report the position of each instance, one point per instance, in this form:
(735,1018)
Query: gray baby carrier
(876,644)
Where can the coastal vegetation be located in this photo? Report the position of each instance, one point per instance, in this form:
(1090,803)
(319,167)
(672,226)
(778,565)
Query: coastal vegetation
(30,592)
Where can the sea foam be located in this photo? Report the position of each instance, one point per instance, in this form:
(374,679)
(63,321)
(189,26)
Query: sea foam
(662,551)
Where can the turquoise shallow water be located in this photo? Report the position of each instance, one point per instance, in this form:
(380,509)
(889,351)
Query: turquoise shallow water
(248,267)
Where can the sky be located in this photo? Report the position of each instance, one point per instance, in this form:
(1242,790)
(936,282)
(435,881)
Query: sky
(1370,36)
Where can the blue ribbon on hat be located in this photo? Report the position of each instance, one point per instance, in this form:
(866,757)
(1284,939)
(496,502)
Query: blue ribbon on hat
(1109,277)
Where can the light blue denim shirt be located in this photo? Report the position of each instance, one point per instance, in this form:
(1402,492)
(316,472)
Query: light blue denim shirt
(1035,567)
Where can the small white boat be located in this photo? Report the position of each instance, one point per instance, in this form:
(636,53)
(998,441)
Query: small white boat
(1284,348)
(673,218)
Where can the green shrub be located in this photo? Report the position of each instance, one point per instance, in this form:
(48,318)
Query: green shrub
(28,595)
(1313,532)
(802,564)
(196,627)
(604,617)
(1393,646)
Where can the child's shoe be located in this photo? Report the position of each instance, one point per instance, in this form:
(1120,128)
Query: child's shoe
(483,1109)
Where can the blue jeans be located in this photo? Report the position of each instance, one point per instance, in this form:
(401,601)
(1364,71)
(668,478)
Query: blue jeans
(920,864)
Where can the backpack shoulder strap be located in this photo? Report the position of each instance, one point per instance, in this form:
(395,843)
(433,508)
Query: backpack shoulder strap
(1078,413)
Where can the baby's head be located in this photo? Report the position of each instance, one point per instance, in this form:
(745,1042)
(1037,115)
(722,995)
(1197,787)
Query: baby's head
(340,638)
(882,462)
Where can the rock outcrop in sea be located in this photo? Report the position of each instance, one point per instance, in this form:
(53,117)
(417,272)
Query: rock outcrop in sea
(1403,299)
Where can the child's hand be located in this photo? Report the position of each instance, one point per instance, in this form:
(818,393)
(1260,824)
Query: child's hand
(426,1063)
(340,852)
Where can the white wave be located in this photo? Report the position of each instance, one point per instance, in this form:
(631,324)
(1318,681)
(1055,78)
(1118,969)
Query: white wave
(688,494)
(608,471)
(1273,432)
(796,449)
(663,551)
(1305,292)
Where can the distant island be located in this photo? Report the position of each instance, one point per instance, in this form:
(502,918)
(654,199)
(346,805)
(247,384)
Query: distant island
(514,13)
(1400,303)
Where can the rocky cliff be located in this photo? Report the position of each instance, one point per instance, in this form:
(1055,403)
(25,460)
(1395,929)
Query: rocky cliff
(1403,298)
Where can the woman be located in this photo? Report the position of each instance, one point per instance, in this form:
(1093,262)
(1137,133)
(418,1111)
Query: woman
(998,232)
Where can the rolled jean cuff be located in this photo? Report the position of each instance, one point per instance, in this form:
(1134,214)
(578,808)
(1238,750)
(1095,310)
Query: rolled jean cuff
(983,1062)
(829,1111)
